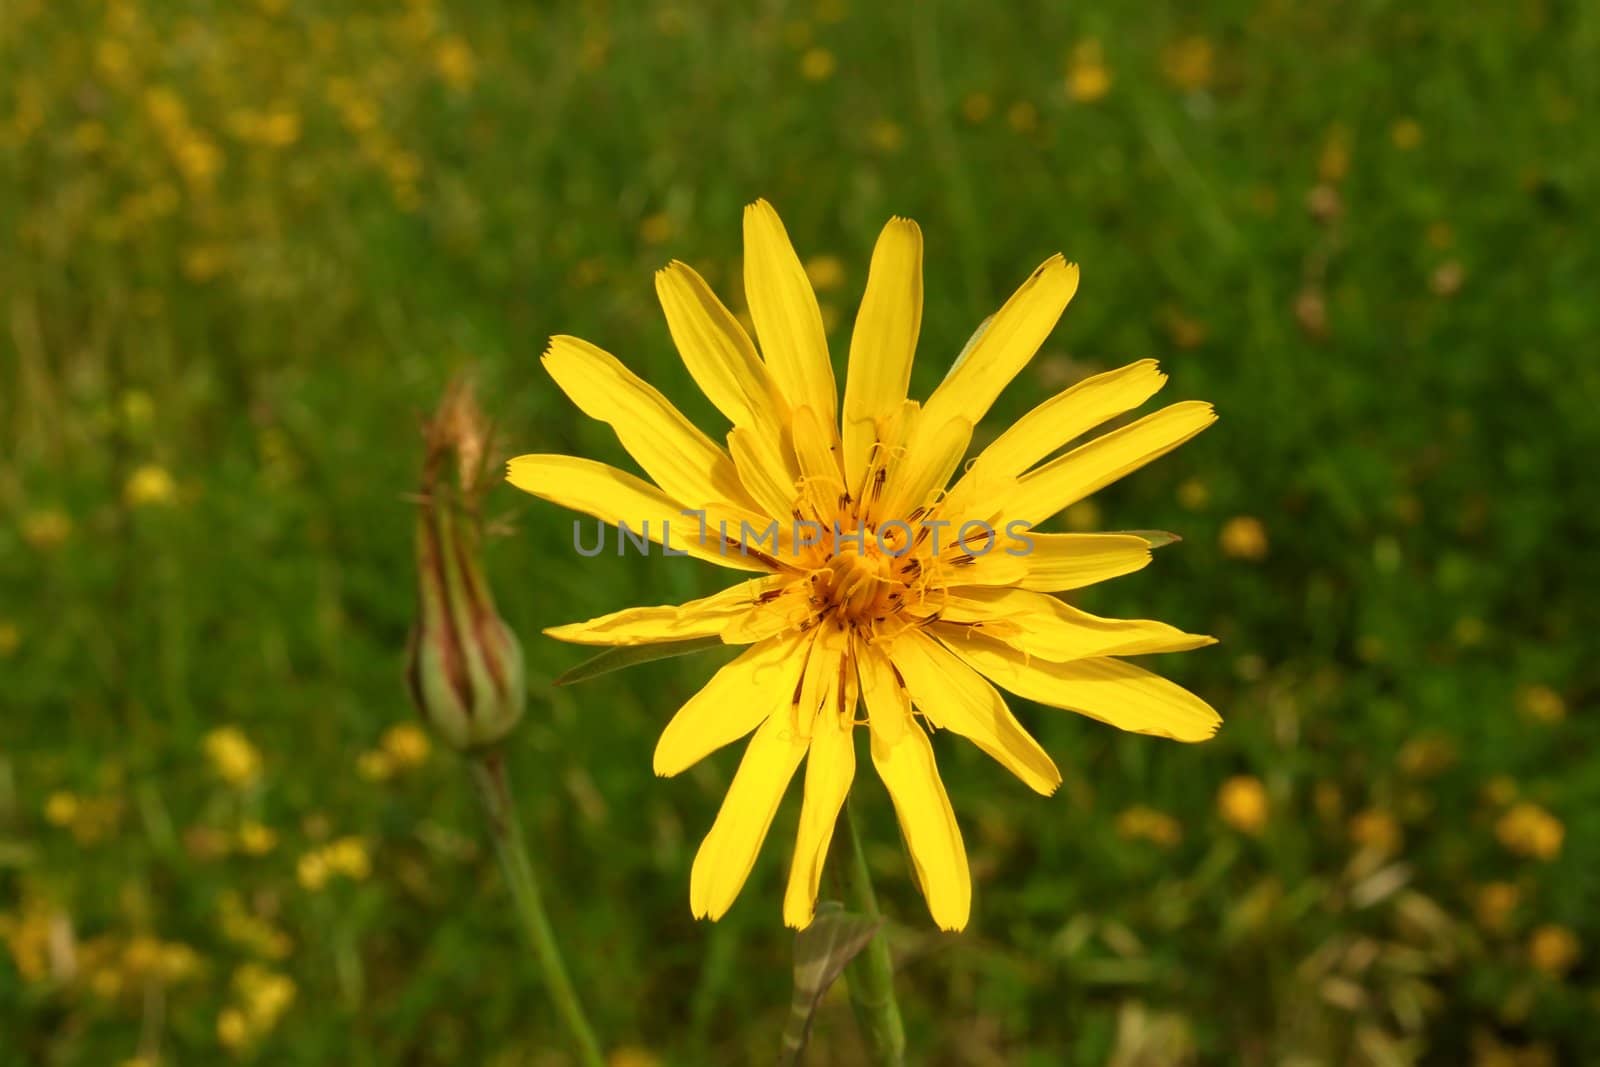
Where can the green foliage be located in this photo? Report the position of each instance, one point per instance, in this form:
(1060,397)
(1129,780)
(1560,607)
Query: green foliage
(243,247)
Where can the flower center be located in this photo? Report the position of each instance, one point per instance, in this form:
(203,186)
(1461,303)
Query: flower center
(856,581)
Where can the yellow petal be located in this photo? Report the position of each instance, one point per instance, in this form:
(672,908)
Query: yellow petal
(830,768)
(906,765)
(705,617)
(1058,562)
(736,700)
(684,462)
(954,697)
(788,321)
(789,611)
(729,850)
(815,448)
(925,468)
(1006,345)
(884,341)
(888,703)
(1067,479)
(1071,414)
(766,475)
(613,496)
(1106,689)
(1038,624)
(719,354)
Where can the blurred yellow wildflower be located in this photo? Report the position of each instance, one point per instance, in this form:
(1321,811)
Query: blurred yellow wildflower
(1141,823)
(61,809)
(977,106)
(825,272)
(312,870)
(150,484)
(406,744)
(1082,516)
(1187,63)
(656,228)
(1494,903)
(1242,803)
(10,638)
(886,136)
(46,529)
(250,931)
(1500,790)
(1406,133)
(632,1056)
(1087,76)
(256,839)
(1022,116)
(349,856)
(1194,494)
(1426,755)
(233,758)
(375,765)
(233,1030)
(202,262)
(1376,830)
(1529,830)
(1540,703)
(1334,162)
(817,64)
(1244,537)
(1447,277)
(1553,949)
(454,61)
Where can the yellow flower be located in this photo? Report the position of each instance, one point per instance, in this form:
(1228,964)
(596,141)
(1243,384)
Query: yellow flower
(233,1030)
(312,871)
(1406,134)
(61,809)
(1529,830)
(256,839)
(233,758)
(406,744)
(656,228)
(632,1056)
(1187,63)
(1242,803)
(871,581)
(348,856)
(1541,704)
(1140,823)
(454,61)
(817,65)
(1493,904)
(1243,537)
(149,485)
(825,272)
(47,529)
(1553,949)
(375,765)
(1087,76)
(977,106)
(1377,830)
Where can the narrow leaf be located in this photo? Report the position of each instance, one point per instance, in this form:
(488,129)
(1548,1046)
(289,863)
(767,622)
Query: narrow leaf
(615,659)
(1157,538)
(821,952)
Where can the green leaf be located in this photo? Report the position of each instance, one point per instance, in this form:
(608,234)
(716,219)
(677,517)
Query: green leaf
(1157,538)
(821,952)
(616,659)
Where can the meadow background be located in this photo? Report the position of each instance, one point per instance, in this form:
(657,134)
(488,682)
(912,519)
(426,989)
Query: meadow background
(243,247)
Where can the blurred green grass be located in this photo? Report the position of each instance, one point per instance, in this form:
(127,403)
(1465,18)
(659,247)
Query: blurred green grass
(247,245)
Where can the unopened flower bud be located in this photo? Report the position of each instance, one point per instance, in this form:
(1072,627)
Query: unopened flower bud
(465,668)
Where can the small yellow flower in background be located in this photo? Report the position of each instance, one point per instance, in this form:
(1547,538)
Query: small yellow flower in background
(1427,755)
(1242,803)
(1553,949)
(199,160)
(632,1056)
(1529,830)
(1377,830)
(1494,903)
(817,64)
(1082,517)
(1500,790)
(1334,161)
(1187,63)
(47,529)
(454,61)
(825,272)
(138,409)
(279,129)
(10,638)
(1406,133)
(61,809)
(203,262)
(977,106)
(1087,76)
(1140,823)
(1194,494)
(256,839)
(349,856)
(1022,116)
(1447,277)
(233,1030)
(886,136)
(312,870)
(1540,703)
(233,758)
(407,745)
(1244,537)
(375,765)
(149,485)
(878,614)
(656,228)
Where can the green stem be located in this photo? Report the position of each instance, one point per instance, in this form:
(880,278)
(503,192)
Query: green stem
(489,773)
(871,974)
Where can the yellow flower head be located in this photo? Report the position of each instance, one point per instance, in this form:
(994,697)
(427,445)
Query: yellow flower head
(149,485)
(1553,949)
(232,756)
(1529,830)
(1242,803)
(882,595)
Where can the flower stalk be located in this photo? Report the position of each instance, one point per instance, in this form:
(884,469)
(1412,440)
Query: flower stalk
(870,976)
(489,775)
